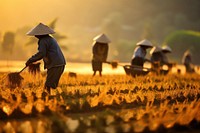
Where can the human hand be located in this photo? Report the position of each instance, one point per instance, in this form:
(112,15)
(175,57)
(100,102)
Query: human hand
(28,63)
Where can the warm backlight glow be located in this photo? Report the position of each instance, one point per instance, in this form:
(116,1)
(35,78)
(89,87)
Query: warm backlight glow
(79,68)
(18,13)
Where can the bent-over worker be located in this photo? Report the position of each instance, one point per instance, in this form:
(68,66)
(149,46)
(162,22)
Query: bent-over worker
(140,52)
(50,52)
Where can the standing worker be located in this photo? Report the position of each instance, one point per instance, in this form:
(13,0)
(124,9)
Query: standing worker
(100,52)
(187,61)
(140,52)
(50,52)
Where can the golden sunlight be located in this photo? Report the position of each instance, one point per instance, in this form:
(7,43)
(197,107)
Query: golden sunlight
(17,13)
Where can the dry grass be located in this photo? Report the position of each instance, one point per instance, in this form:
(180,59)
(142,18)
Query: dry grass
(112,103)
(14,80)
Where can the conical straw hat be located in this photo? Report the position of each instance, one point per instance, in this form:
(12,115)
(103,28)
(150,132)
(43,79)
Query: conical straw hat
(166,49)
(155,49)
(187,53)
(40,29)
(145,43)
(102,38)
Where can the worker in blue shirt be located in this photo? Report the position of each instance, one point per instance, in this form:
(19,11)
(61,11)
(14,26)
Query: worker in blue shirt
(50,52)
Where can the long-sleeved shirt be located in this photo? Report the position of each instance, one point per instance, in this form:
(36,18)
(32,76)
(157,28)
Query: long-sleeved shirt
(50,52)
(139,52)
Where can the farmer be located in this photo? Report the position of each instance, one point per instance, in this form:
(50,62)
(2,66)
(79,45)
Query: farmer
(50,52)
(100,52)
(139,54)
(187,61)
(156,54)
(156,59)
(165,50)
(164,61)
(159,58)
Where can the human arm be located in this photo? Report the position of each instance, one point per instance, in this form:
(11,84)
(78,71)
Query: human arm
(39,55)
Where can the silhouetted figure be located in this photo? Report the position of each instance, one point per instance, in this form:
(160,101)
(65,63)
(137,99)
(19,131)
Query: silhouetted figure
(50,52)
(156,58)
(165,50)
(140,52)
(187,61)
(165,61)
(100,52)
(159,59)
(156,54)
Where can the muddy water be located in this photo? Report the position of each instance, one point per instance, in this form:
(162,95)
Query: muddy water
(81,68)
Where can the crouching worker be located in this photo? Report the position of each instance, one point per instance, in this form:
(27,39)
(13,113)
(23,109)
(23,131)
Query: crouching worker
(138,58)
(50,52)
(166,50)
(158,60)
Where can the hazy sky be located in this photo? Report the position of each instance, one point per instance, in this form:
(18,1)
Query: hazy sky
(17,13)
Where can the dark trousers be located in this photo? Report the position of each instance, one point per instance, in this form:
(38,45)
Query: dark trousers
(53,76)
(97,65)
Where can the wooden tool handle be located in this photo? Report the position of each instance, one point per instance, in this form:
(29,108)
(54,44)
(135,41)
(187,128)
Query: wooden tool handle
(22,69)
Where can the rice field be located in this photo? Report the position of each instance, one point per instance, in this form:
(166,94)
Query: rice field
(110,104)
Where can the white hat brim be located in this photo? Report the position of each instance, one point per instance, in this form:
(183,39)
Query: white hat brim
(40,29)
(145,43)
(102,38)
(155,49)
(167,49)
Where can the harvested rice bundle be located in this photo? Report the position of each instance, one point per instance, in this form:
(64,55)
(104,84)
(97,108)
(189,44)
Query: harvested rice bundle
(34,68)
(72,74)
(114,64)
(14,80)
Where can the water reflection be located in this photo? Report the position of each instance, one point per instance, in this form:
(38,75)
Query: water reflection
(80,68)
(84,68)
